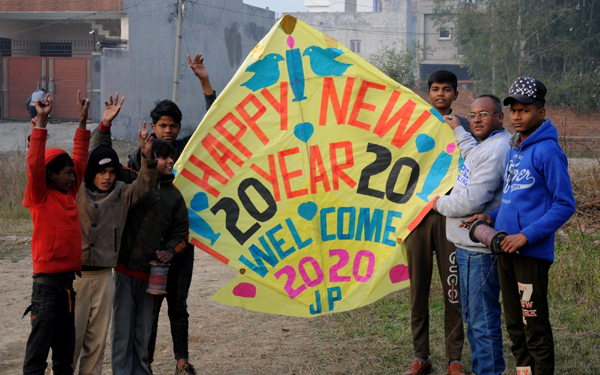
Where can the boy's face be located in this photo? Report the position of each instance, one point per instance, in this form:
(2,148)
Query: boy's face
(105,179)
(525,118)
(485,121)
(166,129)
(164,166)
(63,181)
(441,96)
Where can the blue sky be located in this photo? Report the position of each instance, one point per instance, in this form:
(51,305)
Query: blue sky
(279,6)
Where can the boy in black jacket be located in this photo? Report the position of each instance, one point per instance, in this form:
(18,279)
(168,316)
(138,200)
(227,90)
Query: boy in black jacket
(156,229)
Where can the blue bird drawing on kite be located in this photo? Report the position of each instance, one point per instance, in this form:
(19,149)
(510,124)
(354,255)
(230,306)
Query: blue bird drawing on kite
(266,72)
(198,224)
(323,61)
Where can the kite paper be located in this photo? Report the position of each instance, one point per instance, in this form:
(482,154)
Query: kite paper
(307,174)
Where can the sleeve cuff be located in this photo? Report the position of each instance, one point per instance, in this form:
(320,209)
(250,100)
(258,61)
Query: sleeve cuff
(104,128)
(532,234)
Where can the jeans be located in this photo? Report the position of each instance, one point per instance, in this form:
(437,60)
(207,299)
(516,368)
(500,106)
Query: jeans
(178,285)
(133,311)
(480,290)
(52,326)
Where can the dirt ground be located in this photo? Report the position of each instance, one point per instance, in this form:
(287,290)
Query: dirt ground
(223,339)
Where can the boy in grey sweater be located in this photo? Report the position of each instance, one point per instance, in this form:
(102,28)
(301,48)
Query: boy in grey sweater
(477,189)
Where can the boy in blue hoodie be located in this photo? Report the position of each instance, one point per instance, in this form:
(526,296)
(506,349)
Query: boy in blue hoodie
(537,200)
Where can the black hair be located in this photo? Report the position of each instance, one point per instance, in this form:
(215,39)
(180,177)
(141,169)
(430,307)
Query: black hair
(57,165)
(496,100)
(166,108)
(539,104)
(162,148)
(443,76)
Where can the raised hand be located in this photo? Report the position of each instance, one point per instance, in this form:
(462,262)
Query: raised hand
(198,66)
(111,109)
(145,141)
(83,105)
(44,106)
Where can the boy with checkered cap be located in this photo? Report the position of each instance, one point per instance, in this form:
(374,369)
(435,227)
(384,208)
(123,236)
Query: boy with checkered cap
(537,200)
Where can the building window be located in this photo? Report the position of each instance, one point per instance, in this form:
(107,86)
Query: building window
(444,34)
(5,47)
(376,5)
(55,49)
(355,46)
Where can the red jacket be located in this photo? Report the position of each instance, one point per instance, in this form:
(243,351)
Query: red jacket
(56,242)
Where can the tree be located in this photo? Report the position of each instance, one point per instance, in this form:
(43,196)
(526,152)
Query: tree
(555,41)
(398,62)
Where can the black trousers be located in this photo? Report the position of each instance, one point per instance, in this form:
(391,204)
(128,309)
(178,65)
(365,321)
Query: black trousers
(178,285)
(524,285)
(52,326)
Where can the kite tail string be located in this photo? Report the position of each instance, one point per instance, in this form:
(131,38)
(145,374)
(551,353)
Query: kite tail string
(460,323)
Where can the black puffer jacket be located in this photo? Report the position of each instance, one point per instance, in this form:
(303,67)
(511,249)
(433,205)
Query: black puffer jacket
(159,222)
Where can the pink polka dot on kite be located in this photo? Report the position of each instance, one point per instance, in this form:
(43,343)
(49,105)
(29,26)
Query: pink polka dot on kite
(450,148)
(245,290)
(398,273)
(290,41)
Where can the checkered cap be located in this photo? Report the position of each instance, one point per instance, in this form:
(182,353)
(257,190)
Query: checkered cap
(526,90)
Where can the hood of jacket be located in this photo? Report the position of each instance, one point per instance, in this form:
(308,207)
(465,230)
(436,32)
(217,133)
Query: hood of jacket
(546,131)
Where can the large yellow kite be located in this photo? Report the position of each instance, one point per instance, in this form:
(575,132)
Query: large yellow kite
(308,172)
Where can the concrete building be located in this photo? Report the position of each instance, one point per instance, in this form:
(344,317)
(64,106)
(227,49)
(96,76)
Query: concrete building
(438,40)
(50,45)
(223,31)
(344,6)
(135,56)
(362,25)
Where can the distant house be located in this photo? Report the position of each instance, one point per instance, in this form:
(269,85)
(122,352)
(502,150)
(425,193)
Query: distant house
(131,50)
(440,42)
(363,25)
(50,45)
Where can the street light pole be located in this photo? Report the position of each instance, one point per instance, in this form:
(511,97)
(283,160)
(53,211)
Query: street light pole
(177,51)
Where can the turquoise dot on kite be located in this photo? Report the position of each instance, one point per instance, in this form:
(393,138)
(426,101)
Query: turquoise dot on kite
(174,172)
(245,290)
(450,148)
(304,131)
(424,143)
(307,210)
(398,273)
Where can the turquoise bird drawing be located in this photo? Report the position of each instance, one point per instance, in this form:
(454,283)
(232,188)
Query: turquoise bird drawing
(323,61)
(266,72)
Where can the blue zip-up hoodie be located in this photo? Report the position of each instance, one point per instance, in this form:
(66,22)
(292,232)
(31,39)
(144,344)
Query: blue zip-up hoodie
(537,197)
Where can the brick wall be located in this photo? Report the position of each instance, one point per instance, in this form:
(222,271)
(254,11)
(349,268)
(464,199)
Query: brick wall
(60,6)
(577,133)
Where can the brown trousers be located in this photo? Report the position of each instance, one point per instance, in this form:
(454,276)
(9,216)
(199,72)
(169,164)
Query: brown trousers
(429,238)
(95,292)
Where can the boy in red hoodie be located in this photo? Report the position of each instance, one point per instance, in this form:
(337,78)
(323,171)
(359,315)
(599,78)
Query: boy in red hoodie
(53,179)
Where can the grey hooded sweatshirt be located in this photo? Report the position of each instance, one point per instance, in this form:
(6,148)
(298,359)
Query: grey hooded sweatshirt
(478,187)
